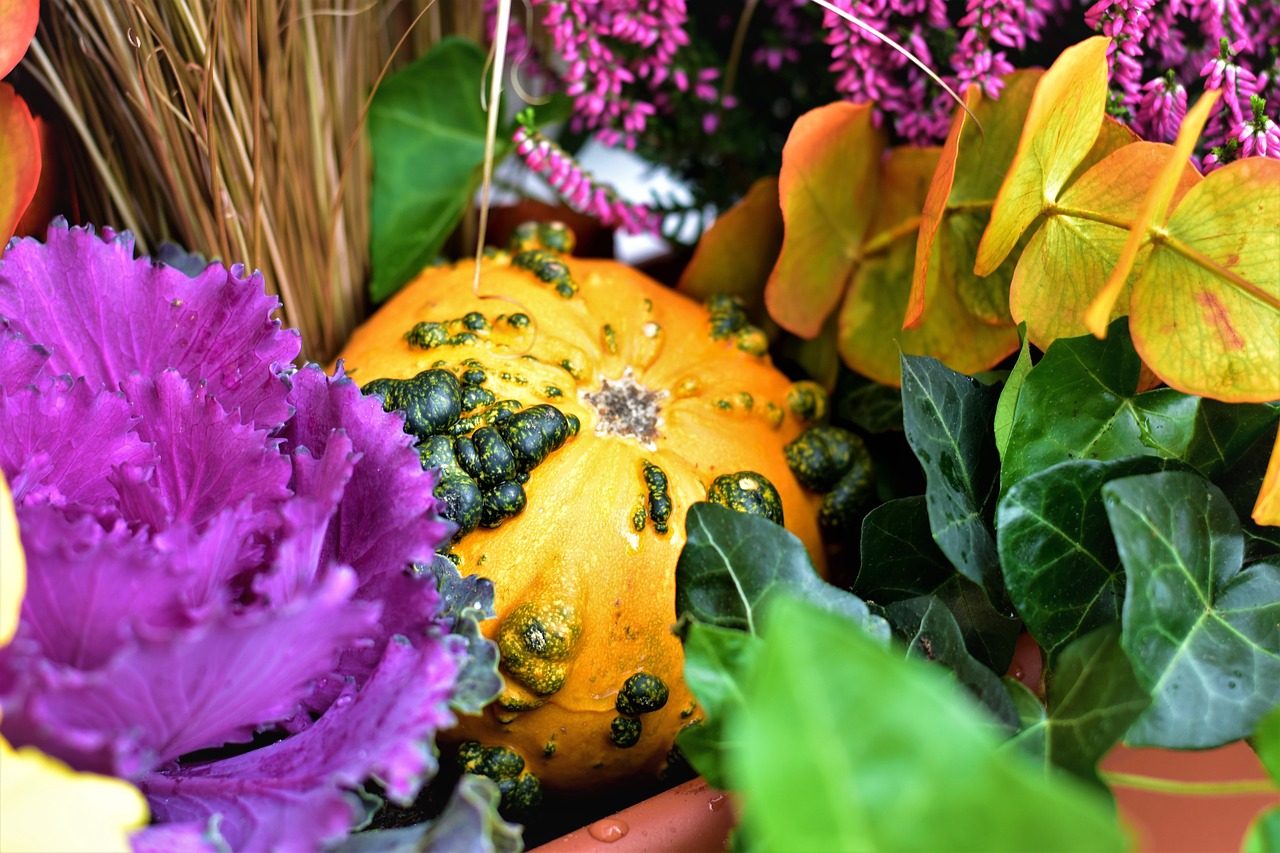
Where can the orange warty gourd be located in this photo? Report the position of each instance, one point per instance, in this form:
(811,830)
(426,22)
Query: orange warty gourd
(576,413)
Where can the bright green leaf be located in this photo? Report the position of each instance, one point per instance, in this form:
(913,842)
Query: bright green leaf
(1060,562)
(733,562)
(1203,634)
(948,418)
(1263,835)
(1266,741)
(828,192)
(854,748)
(716,660)
(1093,697)
(1008,401)
(1061,126)
(427,133)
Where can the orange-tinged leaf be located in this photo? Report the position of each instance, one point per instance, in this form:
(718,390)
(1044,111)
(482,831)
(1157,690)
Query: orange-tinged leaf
(738,252)
(870,339)
(1062,124)
(18,19)
(1070,256)
(1205,308)
(19,160)
(51,185)
(1267,508)
(828,191)
(970,171)
(1153,211)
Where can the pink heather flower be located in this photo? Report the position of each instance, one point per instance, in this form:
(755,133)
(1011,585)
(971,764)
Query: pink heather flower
(578,188)
(218,545)
(1162,109)
(1259,136)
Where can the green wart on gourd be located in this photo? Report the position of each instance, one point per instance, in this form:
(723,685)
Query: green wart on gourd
(749,492)
(836,463)
(521,791)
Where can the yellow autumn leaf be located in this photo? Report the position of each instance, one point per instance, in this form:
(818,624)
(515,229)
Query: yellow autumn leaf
(738,252)
(1061,126)
(828,192)
(1153,211)
(870,339)
(1267,508)
(1205,309)
(1070,256)
(958,207)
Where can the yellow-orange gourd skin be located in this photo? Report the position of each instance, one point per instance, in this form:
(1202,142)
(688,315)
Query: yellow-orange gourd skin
(575,549)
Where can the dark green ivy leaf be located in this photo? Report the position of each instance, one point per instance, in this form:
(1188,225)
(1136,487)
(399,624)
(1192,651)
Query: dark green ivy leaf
(1093,697)
(900,560)
(850,747)
(1203,632)
(1060,561)
(866,404)
(931,633)
(732,563)
(948,421)
(1081,402)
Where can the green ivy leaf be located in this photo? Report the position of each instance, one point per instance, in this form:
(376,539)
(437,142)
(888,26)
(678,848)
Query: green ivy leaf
(1093,697)
(1060,561)
(867,404)
(854,748)
(947,417)
(733,562)
(1203,633)
(932,633)
(716,661)
(900,560)
(1008,401)
(1081,402)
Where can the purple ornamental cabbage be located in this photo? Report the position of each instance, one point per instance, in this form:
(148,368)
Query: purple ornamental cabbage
(219,553)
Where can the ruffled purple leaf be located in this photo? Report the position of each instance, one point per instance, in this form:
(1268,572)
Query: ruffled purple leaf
(20,361)
(95,587)
(296,794)
(105,315)
(210,460)
(217,683)
(388,517)
(60,441)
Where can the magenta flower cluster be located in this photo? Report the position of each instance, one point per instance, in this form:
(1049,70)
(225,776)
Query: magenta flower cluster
(620,61)
(1160,49)
(579,189)
(221,605)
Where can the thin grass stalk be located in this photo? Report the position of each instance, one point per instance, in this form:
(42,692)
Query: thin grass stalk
(235,129)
